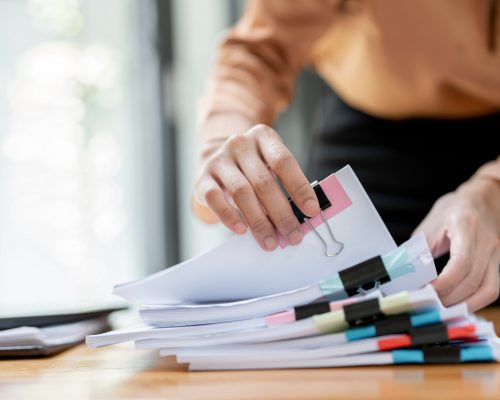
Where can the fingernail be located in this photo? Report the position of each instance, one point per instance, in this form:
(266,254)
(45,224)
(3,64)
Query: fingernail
(240,228)
(270,243)
(295,237)
(311,208)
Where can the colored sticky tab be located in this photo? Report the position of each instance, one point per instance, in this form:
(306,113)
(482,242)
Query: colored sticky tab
(332,287)
(362,332)
(397,303)
(397,263)
(330,322)
(408,356)
(339,202)
(394,343)
(284,317)
(337,305)
(476,353)
(464,331)
(425,318)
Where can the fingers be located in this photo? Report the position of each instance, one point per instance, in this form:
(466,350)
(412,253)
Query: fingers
(433,230)
(462,256)
(287,169)
(474,262)
(272,198)
(490,287)
(203,212)
(243,194)
(211,194)
(246,167)
(477,269)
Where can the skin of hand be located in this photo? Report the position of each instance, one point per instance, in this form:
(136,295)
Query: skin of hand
(238,183)
(464,222)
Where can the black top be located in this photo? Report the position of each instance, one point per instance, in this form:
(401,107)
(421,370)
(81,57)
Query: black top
(404,165)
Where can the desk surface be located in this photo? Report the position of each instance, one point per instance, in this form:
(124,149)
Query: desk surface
(122,373)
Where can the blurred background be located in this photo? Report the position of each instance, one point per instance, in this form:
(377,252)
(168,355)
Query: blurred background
(98,140)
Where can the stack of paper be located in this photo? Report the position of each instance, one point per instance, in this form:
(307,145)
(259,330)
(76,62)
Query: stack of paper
(238,307)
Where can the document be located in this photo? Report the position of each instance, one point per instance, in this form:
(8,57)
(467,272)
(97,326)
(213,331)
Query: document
(239,269)
(359,302)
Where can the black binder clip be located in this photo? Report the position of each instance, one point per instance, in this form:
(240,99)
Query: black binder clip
(365,276)
(324,203)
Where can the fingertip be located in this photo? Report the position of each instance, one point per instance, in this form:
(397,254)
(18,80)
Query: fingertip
(203,212)
(270,243)
(311,207)
(436,287)
(240,228)
(295,237)
(439,287)
(446,302)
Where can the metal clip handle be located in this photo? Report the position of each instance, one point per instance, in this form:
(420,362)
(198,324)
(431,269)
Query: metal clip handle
(340,245)
(324,203)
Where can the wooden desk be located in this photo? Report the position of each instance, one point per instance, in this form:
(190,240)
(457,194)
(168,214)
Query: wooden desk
(122,373)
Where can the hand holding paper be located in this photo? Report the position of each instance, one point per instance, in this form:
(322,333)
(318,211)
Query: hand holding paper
(244,167)
(458,224)
(239,269)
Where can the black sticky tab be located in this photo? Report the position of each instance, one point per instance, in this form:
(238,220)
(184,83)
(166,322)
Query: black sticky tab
(441,355)
(364,275)
(308,310)
(437,333)
(363,312)
(324,203)
(393,324)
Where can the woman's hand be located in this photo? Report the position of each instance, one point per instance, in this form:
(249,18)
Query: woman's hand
(462,223)
(242,170)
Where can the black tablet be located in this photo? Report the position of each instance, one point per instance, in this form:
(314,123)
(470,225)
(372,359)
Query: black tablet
(48,317)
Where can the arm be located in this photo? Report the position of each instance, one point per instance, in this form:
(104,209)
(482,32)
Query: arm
(466,223)
(241,156)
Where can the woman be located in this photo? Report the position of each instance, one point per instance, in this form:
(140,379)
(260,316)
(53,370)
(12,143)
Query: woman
(415,110)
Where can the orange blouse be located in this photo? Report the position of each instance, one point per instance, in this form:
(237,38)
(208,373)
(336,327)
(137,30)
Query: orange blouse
(390,58)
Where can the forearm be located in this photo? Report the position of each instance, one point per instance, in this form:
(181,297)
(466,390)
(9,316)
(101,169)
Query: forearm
(257,63)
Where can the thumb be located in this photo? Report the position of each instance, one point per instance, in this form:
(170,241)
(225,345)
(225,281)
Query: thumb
(203,212)
(436,235)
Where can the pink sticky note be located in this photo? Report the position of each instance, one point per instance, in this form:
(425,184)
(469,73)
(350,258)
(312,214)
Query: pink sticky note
(338,198)
(337,305)
(287,317)
(284,317)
